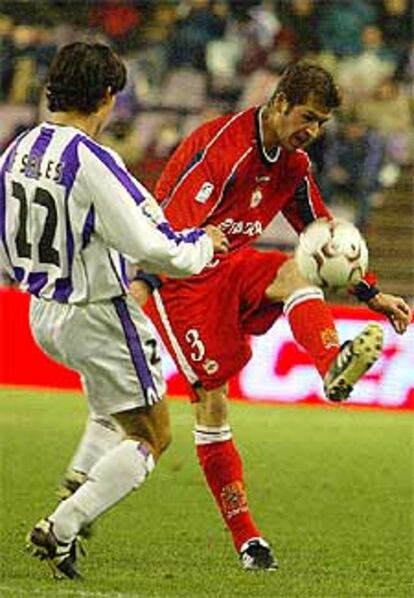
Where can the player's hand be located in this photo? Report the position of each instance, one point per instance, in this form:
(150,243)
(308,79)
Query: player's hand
(220,241)
(140,291)
(395,308)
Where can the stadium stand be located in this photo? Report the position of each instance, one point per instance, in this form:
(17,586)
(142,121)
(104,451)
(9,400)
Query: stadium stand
(191,60)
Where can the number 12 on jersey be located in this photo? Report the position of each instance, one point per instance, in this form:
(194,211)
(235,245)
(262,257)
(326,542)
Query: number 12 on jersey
(37,222)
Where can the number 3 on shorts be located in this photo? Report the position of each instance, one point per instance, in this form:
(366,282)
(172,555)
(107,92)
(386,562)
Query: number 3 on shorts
(192,337)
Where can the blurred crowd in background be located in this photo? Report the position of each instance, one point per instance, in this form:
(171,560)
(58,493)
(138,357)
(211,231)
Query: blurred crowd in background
(191,60)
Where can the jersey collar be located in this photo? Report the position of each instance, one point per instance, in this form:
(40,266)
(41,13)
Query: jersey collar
(268,157)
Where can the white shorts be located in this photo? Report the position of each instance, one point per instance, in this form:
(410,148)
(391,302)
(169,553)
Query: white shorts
(111,345)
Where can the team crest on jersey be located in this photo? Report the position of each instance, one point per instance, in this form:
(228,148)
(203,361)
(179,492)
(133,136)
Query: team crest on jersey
(210,366)
(204,192)
(256,198)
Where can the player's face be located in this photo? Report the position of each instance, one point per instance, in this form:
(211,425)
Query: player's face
(295,127)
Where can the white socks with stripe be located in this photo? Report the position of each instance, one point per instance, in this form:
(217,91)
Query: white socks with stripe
(101,435)
(116,474)
(210,434)
(300,296)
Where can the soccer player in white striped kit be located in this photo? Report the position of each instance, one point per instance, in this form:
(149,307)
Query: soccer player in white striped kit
(70,213)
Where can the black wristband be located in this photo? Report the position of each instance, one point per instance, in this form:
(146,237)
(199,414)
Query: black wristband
(152,280)
(364,291)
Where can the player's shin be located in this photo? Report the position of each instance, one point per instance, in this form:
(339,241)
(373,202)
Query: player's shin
(116,474)
(223,471)
(312,326)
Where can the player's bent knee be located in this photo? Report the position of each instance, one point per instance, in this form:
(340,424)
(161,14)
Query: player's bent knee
(288,280)
(161,422)
(148,425)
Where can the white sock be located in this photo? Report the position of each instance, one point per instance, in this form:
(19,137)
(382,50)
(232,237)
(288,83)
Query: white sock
(300,296)
(116,474)
(101,435)
(211,434)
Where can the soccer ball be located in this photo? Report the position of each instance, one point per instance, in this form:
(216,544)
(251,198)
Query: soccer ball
(332,253)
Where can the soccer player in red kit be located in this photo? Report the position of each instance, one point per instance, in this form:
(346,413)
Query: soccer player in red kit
(238,172)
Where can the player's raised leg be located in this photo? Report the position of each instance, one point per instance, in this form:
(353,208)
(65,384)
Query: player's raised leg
(313,327)
(223,470)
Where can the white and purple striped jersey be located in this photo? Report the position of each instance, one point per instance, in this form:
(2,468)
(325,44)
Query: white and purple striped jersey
(71,214)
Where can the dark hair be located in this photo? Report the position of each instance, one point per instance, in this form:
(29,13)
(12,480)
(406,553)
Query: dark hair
(80,75)
(301,79)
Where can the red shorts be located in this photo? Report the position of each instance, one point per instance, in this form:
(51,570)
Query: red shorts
(205,321)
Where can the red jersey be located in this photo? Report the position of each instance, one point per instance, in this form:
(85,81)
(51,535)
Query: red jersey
(222,174)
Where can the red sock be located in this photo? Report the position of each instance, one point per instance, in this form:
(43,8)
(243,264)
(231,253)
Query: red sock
(313,327)
(223,470)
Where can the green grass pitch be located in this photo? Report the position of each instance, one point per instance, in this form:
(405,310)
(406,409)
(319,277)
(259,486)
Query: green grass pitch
(331,489)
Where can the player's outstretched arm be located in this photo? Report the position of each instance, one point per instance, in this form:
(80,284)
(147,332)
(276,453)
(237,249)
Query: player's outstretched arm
(144,284)
(395,308)
(129,219)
